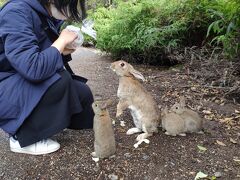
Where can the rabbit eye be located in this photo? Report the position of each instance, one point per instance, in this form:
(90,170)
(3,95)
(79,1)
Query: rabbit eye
(122,64)
(96,105)
(176,107)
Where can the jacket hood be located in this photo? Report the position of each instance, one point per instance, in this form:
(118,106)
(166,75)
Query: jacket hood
(36,5)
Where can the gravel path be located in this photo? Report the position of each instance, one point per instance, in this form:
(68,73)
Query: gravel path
(165,158)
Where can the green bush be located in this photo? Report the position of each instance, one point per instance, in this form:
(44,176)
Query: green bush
(226,26)
(2,2)
(151,29)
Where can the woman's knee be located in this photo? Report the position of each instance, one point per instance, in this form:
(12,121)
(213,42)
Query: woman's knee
(60,86)
(65,80)
(85,93)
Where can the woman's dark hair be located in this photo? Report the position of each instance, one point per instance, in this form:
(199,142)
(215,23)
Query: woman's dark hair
(69,8)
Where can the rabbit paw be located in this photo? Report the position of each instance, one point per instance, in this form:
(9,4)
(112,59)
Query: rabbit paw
(169,134)
(142,136)
(200,132)
(95,159)
(133,131)
(182,134)
(140,142)
(93,154)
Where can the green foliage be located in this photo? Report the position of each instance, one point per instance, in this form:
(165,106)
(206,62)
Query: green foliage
(226,26)
(2,2)
(151,29)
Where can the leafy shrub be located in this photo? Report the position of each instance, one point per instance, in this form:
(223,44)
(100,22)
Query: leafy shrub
(226,26)
(2,2)
(152,29)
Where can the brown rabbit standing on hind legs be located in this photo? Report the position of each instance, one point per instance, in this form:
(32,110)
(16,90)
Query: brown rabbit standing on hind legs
(104,143)
(133,95)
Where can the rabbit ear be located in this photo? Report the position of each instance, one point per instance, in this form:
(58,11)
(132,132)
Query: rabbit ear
(107,103)
(182,101)
(136,74)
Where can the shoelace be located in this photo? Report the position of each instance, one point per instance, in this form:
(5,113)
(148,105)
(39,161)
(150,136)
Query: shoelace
(39,143)
(44,142)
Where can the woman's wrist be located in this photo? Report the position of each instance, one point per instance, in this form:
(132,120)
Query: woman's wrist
(59,44)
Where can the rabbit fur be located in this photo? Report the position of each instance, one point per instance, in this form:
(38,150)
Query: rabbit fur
(193,122)
(173,123)
(134,96)
(104,143)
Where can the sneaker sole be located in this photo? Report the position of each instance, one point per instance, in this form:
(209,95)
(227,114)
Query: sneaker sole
(31,153)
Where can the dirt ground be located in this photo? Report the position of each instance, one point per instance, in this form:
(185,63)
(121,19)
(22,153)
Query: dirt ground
(216,153)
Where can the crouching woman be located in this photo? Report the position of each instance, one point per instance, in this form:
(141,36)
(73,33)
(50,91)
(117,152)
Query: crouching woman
(38,97)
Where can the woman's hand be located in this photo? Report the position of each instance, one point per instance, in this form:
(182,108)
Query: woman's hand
(66,37)
(67,51)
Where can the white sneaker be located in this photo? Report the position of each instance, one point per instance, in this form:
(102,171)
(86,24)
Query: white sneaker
(39,148)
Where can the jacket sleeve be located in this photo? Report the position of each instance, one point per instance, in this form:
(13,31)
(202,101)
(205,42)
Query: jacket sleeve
(22,50)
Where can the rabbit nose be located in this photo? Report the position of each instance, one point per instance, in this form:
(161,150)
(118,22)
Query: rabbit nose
(112,67)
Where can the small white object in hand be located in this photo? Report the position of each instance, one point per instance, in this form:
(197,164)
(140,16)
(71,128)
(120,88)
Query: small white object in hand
(122,123)
(140,142)
(95,159)
(80,39)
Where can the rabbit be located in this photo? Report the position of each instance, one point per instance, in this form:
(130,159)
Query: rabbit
(104,143)
(193,122)
(134,96)
(172,123)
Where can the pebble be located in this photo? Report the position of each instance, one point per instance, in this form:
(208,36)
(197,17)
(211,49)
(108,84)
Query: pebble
(96,168)
(145,157)
(128,155)
(113,177)
(218,174)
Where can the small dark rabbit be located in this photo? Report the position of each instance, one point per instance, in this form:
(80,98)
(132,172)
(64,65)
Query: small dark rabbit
(104,143)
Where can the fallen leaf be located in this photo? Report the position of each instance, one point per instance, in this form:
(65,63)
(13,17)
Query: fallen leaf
(233,141)
(220,143)
(236,111)
(122,123)
(213,178)
(201,148)
(237,117)
(226,120)
(236,160)
(200,175)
